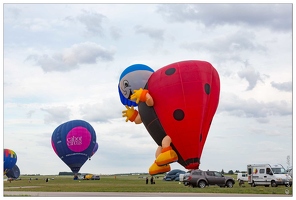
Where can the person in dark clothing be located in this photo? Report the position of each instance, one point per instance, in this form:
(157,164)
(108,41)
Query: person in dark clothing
(152,180)
(146,180)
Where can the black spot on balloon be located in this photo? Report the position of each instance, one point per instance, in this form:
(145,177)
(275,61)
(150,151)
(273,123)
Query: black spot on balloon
(207,88)
(179,114)
(170,71)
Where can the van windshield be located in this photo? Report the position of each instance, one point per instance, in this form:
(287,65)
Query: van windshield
(279,170)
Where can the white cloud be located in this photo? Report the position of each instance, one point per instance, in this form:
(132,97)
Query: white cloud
(236,14)
(71,58)
(251,76)
(285,86)
(93,22)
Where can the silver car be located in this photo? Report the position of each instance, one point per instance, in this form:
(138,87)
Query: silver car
(201,179)
(95,177)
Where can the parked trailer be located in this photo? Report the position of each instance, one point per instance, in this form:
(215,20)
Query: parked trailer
(267,174)
(242,178)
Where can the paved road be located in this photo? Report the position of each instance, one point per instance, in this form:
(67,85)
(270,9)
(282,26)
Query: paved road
(132,194)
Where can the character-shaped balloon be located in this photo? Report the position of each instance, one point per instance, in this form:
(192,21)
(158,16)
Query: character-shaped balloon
(10,159)
(74,142)
(132,78)
(177,106)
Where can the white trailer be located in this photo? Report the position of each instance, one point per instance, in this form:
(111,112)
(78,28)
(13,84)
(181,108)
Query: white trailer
(267,174)
(242,178)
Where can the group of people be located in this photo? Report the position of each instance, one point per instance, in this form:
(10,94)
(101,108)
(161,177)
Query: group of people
(151,180)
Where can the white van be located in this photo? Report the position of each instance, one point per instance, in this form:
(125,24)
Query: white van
(266,174)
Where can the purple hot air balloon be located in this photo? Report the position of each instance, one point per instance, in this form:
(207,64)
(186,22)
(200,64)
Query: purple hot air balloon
(94,150)
(74,142)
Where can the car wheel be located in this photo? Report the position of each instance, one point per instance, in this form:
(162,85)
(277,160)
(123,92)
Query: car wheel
(273,184)
(229,184)
(201,184)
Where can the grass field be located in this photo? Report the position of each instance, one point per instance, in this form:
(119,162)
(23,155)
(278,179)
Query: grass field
(130,183)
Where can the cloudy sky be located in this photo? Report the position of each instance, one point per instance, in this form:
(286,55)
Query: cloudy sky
(63,62)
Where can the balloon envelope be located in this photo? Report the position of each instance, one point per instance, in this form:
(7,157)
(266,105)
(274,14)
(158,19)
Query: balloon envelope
(186,96)
(132,78)
(10,159)
(74,142)
(14,172)
(94,150)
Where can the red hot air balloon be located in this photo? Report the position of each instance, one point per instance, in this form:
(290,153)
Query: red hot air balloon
(185,97)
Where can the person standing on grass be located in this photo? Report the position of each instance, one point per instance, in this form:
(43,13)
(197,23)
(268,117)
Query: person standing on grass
(151,180)
(146,180)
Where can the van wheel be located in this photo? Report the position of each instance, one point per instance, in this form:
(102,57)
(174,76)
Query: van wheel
(273,184)
(202,184)
(253,184)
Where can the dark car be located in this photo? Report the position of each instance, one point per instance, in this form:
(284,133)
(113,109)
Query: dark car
(173,175)
(201,179)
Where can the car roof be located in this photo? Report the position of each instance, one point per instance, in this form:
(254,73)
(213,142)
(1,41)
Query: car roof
(174,171)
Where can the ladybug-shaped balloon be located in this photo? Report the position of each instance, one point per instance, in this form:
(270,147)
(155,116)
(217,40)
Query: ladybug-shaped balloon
(186,96)
(133,77)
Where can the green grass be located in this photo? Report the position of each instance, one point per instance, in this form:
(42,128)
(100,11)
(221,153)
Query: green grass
(131,183)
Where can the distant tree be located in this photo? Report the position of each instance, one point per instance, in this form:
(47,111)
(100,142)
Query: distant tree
(222,172)
(237,171)
(230,172)
(67,173)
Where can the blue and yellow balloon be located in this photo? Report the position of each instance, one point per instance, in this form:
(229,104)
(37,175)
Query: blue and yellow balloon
(10,159)
(13,173)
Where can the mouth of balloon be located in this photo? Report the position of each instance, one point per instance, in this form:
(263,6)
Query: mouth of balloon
(192,166)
